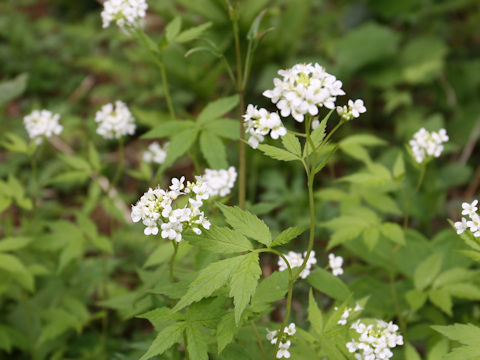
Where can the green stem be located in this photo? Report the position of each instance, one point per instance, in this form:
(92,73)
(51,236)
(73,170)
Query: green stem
(172,259)
(121,162)
(259,340)
(186,342)
(241,108)
(156,57)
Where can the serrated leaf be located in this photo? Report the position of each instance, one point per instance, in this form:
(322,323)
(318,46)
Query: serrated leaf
(427,271)
(217,109)
(463,291)
(314,315)
(209,279)
(165,339)
(213,149)
(173,29)
(14,243)
(287,235)
(317,136)
(292,144)
(77,163)
(393,232)
(11,89)
(169,128)
(196,344)
(246,223)
(399,167)
(466,334)
(415,299)
(326,282)
(244,282)
(220,240)
(277,153)
(192,33)
(226,331)
(269,290)
(226,128)
(179,145)
(161,317)
(442,299)
(15,267)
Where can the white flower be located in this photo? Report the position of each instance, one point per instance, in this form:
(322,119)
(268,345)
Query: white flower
(155,153)
(303,89)
(283,350)
(123,12)
(296,260)
(354,109)
(156,210)
(335,263)
(115,121)
(343,320)
(425,144)
(272,336)
(374,340)
(290,329)
(42,123)
(461,226)
(218,182)
(259,123)
(470,209)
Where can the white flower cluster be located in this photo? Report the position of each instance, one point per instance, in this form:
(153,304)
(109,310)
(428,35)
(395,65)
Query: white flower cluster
(303,89)
(353,110)
(300,91)
(115,121)
(375,340)
(123,12)
(42,123)
(473,224)
(296,260)
(425,144)
(283,346)
(335,263)
(155,209)
(219,182)
(347,312)
(260,122)
(155,153)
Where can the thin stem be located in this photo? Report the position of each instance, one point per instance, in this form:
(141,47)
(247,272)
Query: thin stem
(259,340)
(156,57)
(408,200)
(121,162)
(172,259)
(241,107)
(248,64)
(186,343)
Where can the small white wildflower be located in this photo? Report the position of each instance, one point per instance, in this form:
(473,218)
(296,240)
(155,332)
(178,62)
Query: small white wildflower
(425,144)
(470,209)
(354,109)
(155,153)
(296,260)
(343,320)
(42,123)
(290,329)
(123,12)
(219,182)
(260,123)
(335,263)
(115,121)
(461,226)
(283,350)
(272,336)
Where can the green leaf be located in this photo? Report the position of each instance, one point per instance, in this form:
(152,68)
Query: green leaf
(213,149)
(246,223)
(169,128)
(164,251)
(73,250)
(192,33)
(292,144)
(226,331)
(220,240)
(165,339)
(209,279)
(14,243)
(463,291)
(287,235)
(226,128)
(427,271)
(77,163)
(196,344)
(326,282)
(74,176)
(466,334)
(11,89)
(94,157)
(16,144)
(14,266)
(217,109)
(277,153)
(411,353)
(317,135)
(173,29)
(416,299)
(179,145)
(161,317)
(244,282)
(269,290)
(370,237)
(393,232)
(442,299)
(314,315)
(399,168)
